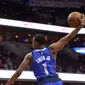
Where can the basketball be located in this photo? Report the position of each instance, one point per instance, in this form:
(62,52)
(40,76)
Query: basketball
(73,19)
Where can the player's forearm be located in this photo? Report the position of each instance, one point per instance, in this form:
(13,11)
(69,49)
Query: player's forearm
(13,78)
(72,34)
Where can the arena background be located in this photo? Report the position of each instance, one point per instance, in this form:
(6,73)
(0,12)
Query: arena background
(20,20)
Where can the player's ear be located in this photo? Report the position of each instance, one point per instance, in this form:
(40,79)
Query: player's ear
(37,44)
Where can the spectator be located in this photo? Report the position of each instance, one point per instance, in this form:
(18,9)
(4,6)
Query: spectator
(1,64)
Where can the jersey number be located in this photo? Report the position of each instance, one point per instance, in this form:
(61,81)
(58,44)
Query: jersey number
(45,68)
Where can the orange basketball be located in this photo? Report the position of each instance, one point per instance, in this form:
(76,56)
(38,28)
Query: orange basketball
(73,19)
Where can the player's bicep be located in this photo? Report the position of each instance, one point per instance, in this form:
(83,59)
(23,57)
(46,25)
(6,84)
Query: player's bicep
(57,46)
(25,63)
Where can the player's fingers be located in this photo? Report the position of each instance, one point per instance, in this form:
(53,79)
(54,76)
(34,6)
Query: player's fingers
(82,16)
(82,19)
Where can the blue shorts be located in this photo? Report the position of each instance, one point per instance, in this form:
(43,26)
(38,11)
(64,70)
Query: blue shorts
(55,83)
(50,80)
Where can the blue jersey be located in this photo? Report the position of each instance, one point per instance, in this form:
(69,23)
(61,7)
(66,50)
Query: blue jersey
(43,63)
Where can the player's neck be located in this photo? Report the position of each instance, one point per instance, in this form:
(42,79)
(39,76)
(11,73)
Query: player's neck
(41,47)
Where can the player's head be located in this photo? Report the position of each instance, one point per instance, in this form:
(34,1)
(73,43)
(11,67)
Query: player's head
(38,41)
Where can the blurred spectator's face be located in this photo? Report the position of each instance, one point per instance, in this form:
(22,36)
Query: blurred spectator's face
(0,61)
(1,38)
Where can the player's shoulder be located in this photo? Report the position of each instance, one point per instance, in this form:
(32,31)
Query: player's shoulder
(29,55)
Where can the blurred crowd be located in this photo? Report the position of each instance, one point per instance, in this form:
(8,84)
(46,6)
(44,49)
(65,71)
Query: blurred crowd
(71,69)
(8,60)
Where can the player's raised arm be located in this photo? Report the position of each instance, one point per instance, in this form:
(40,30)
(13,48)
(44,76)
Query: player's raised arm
(57,46)
(25,64)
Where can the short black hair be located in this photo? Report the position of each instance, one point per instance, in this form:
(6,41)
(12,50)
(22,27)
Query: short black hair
(40,38)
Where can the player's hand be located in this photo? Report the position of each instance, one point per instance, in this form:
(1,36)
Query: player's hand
(82,21)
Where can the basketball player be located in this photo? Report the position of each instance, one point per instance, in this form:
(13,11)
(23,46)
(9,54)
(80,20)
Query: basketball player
(43,59)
